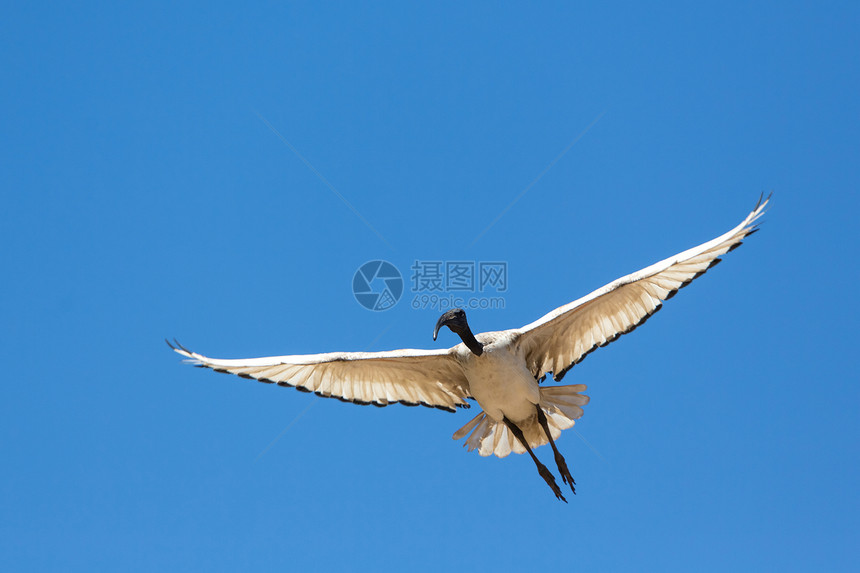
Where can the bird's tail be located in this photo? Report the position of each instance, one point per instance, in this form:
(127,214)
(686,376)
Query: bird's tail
(562,406)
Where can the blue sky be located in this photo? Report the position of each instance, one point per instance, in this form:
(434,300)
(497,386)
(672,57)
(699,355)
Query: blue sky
(147,195)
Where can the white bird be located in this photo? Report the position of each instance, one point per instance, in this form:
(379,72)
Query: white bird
(500,370)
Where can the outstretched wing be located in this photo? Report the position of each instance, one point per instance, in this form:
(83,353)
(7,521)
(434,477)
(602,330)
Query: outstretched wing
(565,336)
(427,377)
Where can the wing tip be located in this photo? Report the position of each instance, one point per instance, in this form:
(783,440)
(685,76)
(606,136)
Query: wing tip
(753,222)
(178,348)
(760,208)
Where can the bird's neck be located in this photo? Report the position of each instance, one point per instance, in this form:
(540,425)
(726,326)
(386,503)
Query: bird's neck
(471,342)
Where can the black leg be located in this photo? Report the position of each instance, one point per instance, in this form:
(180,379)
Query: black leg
(559,459)
(542,470)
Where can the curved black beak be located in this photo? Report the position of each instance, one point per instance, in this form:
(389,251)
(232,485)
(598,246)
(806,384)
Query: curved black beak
(439,324)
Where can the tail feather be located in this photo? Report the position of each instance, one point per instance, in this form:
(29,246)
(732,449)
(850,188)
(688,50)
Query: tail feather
(562,406)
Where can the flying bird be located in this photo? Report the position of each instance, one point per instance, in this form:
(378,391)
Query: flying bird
(501,371)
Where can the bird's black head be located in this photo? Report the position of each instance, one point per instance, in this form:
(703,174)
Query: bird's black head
(455,319)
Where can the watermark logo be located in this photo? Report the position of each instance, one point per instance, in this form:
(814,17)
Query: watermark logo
(377,285)
(442,285)
(439,285)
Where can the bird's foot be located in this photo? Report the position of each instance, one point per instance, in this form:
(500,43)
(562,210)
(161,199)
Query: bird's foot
(550,481)
(565,473)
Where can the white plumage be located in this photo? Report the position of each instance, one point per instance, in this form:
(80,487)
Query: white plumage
(501,370)
(408,376)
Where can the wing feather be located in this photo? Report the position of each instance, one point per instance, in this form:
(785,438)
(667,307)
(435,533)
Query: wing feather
(564,337)
(431,378)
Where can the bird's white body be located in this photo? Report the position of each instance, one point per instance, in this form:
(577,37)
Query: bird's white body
(498,379)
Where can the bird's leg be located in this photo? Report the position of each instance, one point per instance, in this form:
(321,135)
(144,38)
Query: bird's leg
(542,469)
(559,459)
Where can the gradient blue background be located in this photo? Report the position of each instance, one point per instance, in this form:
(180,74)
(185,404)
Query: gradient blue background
(145,197)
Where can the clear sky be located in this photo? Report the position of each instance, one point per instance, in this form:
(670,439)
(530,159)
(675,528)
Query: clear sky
(217,173)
